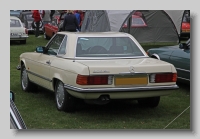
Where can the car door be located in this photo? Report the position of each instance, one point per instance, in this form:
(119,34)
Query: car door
(44,61)
(180,58)
(51,28)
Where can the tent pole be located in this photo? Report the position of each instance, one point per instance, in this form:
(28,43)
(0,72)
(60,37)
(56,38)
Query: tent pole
(129,24)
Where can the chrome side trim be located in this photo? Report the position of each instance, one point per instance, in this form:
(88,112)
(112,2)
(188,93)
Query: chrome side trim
(107,58)
(183,79)
(118,89)
(39,76)
(15,119)
(132,73)
(183,69)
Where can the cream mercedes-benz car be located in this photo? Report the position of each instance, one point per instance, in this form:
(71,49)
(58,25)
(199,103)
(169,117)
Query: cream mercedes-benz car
(17,31)
(97,67)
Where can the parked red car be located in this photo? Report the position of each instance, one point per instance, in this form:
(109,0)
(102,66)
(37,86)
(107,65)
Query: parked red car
(185,27)
(50,29)
(54,26)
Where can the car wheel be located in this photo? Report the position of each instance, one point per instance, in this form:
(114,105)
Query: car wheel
(23,41)
(45,36)
(149,102)
(64,101)
(25,82)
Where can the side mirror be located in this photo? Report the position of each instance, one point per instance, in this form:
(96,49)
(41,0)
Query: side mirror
(40,49)
(12,95)
(183,46)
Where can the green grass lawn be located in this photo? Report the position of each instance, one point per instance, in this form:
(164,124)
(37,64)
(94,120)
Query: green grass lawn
(39,109)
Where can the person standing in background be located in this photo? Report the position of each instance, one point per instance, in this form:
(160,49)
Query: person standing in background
(78,17)
(46,16)
(82,14)
(70,22)
(37,19)
(52,13)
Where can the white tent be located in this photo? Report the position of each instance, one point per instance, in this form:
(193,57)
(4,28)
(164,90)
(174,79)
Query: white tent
(177,17)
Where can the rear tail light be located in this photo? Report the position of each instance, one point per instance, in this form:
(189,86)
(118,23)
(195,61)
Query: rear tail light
(94,80)
(163,77)
(26,31)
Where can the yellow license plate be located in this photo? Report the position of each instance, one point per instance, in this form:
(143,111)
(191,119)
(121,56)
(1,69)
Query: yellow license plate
(131,80)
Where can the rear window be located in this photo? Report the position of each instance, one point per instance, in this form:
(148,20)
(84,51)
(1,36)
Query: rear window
(107,47)
(14,23)
(137,22)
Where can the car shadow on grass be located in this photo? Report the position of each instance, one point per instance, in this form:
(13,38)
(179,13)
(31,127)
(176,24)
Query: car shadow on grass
(120,105)
(121,108)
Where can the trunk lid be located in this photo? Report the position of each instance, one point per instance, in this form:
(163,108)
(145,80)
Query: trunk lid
(17,30)
(120,66)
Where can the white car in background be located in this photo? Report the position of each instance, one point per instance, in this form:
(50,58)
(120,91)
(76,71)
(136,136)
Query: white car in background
(17,31)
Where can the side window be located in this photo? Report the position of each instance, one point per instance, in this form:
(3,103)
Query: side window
(62,49)
(54,45)
(54,22)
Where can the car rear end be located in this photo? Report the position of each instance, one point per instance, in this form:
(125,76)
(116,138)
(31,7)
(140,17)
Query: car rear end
(17,31)
(124,79)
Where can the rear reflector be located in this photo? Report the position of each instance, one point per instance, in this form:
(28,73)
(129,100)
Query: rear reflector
(164,77)
(94,80)
(26,31)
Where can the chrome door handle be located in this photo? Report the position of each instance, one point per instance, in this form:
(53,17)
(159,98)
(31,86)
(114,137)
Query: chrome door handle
(48,62)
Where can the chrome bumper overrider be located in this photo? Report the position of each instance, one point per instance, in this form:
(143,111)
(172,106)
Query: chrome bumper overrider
(134,89)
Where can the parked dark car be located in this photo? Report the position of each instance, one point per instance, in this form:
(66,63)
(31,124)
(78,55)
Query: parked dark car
(27,19)
(16,121)
(178,55)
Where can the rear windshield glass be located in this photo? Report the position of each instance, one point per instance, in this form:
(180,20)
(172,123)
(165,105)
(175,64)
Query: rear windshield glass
(14,23)
(107,47)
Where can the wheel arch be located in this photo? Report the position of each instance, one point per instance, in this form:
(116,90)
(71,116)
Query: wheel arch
(155,56)
(55,79)
(22,62)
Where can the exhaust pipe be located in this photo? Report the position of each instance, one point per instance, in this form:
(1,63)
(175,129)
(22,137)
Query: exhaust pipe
(103,99)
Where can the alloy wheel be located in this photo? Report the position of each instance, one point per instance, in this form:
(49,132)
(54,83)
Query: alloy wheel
(24,79)
(60,94)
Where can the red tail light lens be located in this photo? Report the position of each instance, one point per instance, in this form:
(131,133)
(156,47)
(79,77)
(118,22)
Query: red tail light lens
(92,80)
(26,31)
(164,77)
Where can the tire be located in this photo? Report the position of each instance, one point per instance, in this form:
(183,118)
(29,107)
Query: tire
(46,37)
(149,102)
(23,41)
(26,85)
(64,101)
